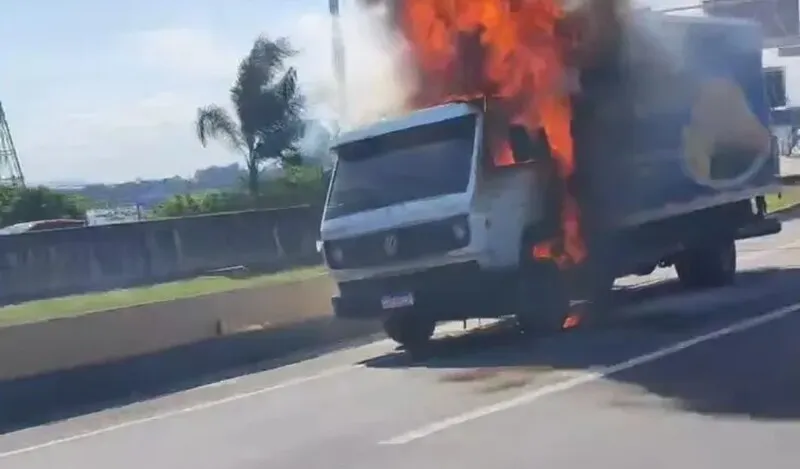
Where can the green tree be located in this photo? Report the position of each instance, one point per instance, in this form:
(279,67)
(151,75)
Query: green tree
(179,205)
(19,205)
(268,106)
(299,186)
(202,203)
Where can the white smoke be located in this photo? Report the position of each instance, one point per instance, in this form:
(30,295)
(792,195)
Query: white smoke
(377,82)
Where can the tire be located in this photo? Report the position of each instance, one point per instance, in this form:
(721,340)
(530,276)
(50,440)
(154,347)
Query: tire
(409,330)
(707,267)
(541,301)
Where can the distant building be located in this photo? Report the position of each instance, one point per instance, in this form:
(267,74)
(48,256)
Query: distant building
(109,216)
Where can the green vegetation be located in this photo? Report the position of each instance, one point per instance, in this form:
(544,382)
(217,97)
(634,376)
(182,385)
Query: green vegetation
(300,185)
(149,192)
(268,107)
(37,203)
(788,198)
(265,127)
(76,305)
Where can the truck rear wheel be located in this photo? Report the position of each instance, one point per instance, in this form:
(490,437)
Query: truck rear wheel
(408,329)
(541,300)
(709,266)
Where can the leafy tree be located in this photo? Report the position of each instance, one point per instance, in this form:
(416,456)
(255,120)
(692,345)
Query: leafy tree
(82,202)
(268,106)
(19,205)
(300,185)
(179,205)
(149,193)
(202,203)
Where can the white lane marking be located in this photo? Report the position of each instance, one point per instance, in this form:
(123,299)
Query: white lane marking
(186,410)
(306,379)
(563,386)
(218,384)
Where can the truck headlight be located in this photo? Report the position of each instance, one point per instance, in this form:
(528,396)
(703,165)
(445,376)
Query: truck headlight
(337,255)
(334,255)
(460,230)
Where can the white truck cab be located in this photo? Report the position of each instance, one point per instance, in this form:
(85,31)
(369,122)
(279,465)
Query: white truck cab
(420,225)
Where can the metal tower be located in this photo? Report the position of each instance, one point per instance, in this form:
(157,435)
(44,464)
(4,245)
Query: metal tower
(10,170)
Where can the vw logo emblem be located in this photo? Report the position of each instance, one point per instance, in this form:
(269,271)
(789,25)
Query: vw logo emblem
(390,245)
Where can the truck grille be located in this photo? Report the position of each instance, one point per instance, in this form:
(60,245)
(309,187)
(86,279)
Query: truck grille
(408,243)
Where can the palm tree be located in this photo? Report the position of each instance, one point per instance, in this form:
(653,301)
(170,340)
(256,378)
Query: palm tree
(268,106)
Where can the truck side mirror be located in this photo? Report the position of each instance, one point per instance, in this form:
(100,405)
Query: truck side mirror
(526,149)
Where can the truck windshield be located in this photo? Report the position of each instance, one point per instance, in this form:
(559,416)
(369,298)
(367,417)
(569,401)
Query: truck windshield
(411,164)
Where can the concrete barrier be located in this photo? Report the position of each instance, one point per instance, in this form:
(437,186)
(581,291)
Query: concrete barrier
(60,262)
(32,349)
(39,399)
(64,367)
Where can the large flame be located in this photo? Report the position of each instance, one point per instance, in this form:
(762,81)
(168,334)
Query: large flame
(511,50)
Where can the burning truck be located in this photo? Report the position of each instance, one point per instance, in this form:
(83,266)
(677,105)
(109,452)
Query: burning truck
(548,153)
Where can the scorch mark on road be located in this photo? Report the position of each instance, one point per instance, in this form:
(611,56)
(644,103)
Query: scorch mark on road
(547,390)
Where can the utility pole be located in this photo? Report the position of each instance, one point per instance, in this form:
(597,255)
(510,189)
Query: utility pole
(337,44)
(10,169)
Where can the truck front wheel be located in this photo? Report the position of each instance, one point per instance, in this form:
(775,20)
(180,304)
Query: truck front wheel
(708,266)
(408,329)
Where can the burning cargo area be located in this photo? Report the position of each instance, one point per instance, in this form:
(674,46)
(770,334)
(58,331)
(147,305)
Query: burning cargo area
(648,132)
(602,84)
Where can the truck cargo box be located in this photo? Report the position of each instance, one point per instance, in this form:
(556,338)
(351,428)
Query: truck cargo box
(677,122)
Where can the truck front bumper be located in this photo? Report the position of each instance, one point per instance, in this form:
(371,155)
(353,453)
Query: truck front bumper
(455,291)
(762,227)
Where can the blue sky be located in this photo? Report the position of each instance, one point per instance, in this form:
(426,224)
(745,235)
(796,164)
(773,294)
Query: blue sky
(106,91)
(99,90)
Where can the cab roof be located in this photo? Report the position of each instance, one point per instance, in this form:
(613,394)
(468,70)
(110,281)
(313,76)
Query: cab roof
(681,18)
(425,116)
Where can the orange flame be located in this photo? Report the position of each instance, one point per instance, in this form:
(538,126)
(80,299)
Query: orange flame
(571,321)
(510,50)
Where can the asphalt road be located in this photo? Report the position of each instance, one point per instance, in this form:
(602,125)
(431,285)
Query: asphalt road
(699,380)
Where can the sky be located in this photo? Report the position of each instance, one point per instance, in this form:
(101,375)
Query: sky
(101,91)
(108,91)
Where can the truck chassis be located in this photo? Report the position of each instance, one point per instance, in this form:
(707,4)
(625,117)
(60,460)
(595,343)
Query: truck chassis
(700,246)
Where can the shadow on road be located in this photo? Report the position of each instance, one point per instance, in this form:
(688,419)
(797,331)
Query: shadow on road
(753,374)
(59,395)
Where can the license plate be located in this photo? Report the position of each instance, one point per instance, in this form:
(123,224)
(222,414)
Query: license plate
(397,301)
